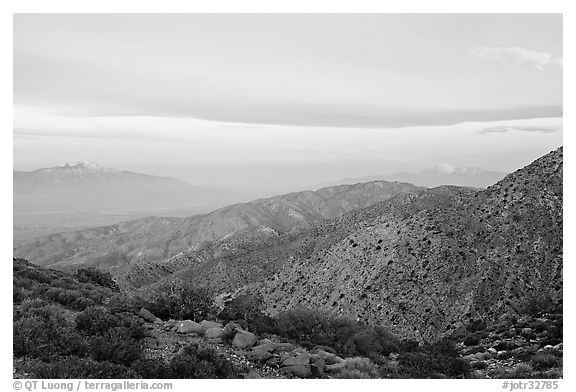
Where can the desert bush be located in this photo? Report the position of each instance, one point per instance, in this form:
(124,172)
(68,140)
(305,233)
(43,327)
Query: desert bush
(117,346)
(372,343)
(520,371)
(98,321)
(431,360)
(248,308)
(537,304)
(358,368)
(183,302)
(44,332)
(471,340)
(201,362)
(75,367)
(96,276)
(544,360)
(311,328)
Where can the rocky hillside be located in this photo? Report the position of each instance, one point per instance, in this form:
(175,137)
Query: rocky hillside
(155,239)
(425,264)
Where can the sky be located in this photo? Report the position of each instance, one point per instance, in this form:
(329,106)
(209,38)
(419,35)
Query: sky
(283,101)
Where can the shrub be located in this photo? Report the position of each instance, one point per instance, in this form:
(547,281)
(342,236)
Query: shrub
(372,342)
(537,304)
(248,309)
(96,276)
(358,368)
(43,332)
(74,367)
(194,303)
(98,321)
(472,340)
(543,361)
(117,346)
(201,362)
(311,328)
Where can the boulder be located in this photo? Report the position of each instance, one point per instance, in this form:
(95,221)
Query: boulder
(244,339)
(273,347)
(215,333)
(329,358)
(302,371)
(298,359)
(298,365)
(317,367)
(335,366)
(268,347)
(230,329)
(189,326)
(264,341)
(206,325)
(147,315)
(259,356)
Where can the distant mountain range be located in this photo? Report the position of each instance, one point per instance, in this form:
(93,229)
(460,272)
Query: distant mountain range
(442,174)
(85,194)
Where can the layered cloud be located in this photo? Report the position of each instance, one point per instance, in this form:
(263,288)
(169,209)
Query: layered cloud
(517,56)
(521,128)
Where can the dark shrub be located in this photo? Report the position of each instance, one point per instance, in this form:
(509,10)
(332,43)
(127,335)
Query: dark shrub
(543,361)
(537,304)
(117,346)
(200,362)
(372,343)
(74,367)
(98,321)
(194,303)
(311,328)
(472,340)
(96,276)
(43,332)
(249,309)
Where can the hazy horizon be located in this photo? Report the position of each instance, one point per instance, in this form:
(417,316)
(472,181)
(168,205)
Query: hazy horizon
(249,101)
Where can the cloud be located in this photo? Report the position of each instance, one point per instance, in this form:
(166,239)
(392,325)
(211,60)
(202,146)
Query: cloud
(517,56)
(521,128)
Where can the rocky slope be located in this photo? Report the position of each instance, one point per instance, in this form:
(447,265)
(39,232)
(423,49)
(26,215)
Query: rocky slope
(154,239)
(423,264)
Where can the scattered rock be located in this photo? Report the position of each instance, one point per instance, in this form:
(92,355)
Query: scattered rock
(298,365)
(206,325)
(244,339)
(259,356)
(147,315)
(215,333)
(189,326)
(329,358)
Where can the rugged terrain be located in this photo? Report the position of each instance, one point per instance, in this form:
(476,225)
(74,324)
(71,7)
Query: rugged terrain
(152,239)
(424,263)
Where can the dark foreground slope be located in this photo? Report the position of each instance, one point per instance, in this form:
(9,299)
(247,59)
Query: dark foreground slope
(479,255)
